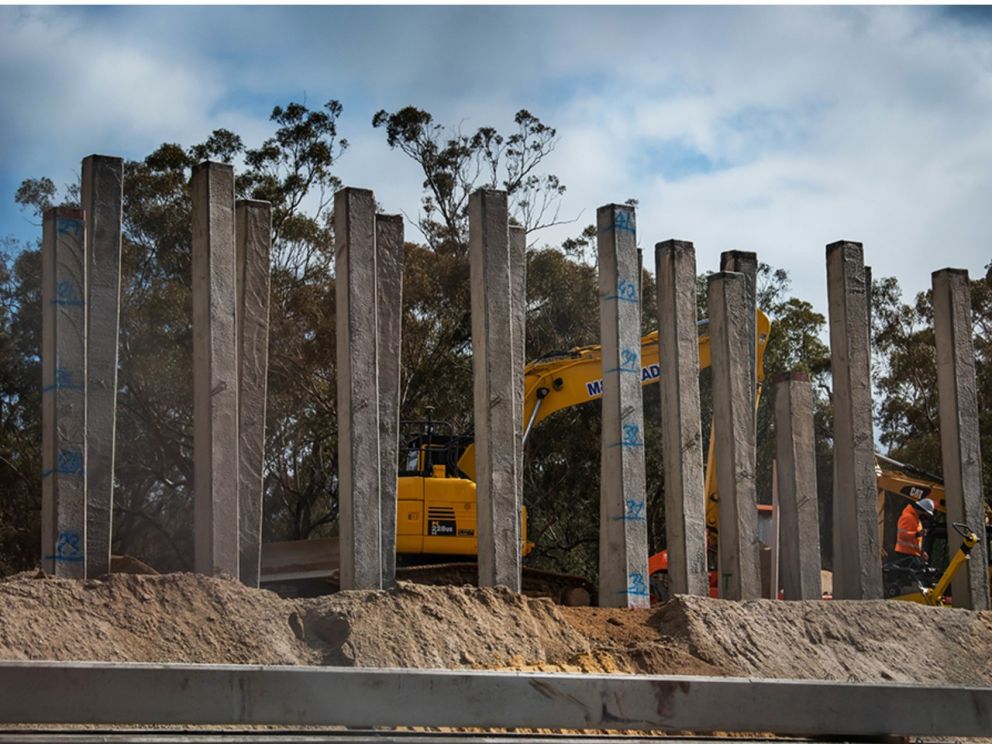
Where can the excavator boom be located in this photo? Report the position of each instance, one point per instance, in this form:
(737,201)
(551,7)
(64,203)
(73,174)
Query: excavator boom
(562,380)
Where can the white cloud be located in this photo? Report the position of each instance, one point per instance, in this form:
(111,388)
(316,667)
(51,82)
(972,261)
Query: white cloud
(72,82)
(824,124)
(818,123)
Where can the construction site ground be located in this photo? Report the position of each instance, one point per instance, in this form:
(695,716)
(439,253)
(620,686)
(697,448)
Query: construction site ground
(196,619)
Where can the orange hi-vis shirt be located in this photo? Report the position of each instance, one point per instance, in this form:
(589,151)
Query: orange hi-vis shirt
(909,538)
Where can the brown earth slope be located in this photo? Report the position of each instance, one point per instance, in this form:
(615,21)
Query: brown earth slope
(188,618)
(873,641)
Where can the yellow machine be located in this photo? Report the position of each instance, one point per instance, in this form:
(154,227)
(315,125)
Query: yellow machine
(437,502)
(935,595)
(436,510)
(907,481)
(912,484)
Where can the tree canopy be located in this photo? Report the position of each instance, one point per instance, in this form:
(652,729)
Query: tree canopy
(455,164)
(905,373)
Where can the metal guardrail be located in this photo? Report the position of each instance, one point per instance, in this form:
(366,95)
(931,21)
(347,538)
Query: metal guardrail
(153,694)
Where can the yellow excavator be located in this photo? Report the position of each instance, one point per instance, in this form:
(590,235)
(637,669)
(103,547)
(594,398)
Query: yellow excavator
(436,510)
(436,497)
(903,579)
(922,585)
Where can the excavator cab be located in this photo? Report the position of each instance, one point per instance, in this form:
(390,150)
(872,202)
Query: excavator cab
(436,504)
(431,450)
(435,513)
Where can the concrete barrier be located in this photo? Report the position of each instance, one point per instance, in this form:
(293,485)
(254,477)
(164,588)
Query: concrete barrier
(148,694)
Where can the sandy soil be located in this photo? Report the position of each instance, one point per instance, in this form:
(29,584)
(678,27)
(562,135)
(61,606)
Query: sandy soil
(189,618)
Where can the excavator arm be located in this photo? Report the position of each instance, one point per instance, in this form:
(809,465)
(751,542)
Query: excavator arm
(572,378)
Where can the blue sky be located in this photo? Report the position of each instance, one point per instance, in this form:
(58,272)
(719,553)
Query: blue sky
(772,129)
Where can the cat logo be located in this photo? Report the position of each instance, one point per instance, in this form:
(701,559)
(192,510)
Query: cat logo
(915,492)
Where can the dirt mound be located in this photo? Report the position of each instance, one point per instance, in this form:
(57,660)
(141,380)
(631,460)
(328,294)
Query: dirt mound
(843,640)
(126,617)
(129,564)
(189,618)
(629,641)
(436,627)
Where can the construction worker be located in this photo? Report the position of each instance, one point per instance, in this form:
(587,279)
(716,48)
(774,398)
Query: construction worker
(909,538)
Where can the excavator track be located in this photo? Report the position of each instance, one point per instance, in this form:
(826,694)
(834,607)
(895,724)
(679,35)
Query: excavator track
(309,568)
(564,589)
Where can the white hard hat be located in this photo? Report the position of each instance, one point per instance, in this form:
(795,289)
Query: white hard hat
(925,505)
